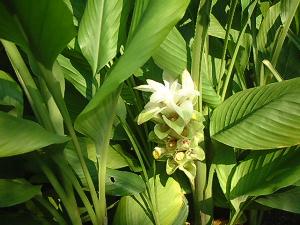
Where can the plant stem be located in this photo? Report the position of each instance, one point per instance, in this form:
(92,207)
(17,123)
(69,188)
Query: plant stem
(71,209)
(51,210)
(54,89)
(33,94)
(102,160)
(284,32)
(233,4)
(136,148)
(197,54)
(235,53)
(71,176)
(268,64)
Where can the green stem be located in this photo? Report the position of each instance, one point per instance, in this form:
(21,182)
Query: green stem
(254,45)
(33,94)
(233,5)
(102,161)
(197,54)
(71,176)
(137,148)
(70,208)
(283,33)
(54,89)
(268,64)
(46,204)
(235,53)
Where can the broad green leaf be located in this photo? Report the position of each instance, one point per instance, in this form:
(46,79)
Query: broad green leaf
(16,191)
(44,27)
(10,94)
(286,200)
(171,54)
(122,183)
(98,31)
(147,37)
(171,204)
(78,75)
(20,136)
(268,29)
(139,8)
(260,118)
(262,173)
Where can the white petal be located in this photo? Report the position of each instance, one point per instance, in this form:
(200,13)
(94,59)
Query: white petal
(187,81)
(147,88)
(156,85)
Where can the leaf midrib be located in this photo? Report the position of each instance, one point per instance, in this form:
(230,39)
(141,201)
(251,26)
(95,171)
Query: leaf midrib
(235,123)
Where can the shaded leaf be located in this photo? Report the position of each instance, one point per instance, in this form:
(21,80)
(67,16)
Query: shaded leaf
(44,27)
(13,192)
(20,136)
(11,94)
(78,75)
(122,183)
(287,200)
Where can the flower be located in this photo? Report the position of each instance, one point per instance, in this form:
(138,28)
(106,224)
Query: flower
(178,129)
(169,98)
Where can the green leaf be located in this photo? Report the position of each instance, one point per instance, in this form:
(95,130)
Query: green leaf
(171,54)
(287,200)
(263,173)
(260,118)
(268,29)
(11,94)
(287,8)
(98,31)
(122,183)
(20,136)
(13,192)
(132,210)
(148,36)
(209,68)
(44,27)
(78,75)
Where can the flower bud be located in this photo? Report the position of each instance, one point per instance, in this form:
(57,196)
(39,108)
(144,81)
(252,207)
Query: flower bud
(158,152)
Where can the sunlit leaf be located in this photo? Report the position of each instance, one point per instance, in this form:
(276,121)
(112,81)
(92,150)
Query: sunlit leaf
(98,31)
(260,118)
(263,173)
(171,54)
(148,36)
(132,210)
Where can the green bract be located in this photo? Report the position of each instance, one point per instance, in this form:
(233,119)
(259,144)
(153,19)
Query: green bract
(178,126)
